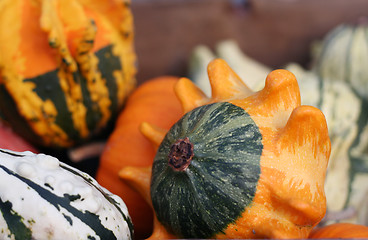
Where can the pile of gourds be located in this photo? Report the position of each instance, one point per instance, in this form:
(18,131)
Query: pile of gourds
(216,155)
(335,83)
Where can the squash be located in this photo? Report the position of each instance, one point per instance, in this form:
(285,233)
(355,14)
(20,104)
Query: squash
(342,55)
(66,67)
(240,164)
(153,101)
(43,198)
(340,230)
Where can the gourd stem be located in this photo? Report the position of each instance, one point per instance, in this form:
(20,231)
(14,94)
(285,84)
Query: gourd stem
(181,154)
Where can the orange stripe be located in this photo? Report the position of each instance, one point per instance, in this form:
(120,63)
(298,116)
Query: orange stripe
(34,49)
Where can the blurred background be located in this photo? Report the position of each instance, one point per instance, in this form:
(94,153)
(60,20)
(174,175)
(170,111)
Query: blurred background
(273,32)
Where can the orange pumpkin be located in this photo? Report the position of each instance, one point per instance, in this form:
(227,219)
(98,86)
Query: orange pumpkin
(240,164)
(153,101)
(340,230)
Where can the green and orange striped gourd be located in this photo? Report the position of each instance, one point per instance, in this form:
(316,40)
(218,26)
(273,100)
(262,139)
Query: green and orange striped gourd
(66,67)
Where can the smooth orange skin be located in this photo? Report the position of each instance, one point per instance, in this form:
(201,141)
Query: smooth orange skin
(340,230)
(154,101)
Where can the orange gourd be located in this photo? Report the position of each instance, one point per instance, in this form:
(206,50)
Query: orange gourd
(153,101)
(240,164)
(340,230)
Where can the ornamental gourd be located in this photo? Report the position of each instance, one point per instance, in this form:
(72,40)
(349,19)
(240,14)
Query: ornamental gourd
(345,113)
(66,67)
(343,56)
(240,164)
(43,198)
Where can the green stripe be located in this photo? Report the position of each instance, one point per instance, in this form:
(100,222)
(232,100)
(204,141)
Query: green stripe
(14,222)
(106,196)
(108,64)
(93,113)
(13,154)
(47,87)
(222,178)
(359,164)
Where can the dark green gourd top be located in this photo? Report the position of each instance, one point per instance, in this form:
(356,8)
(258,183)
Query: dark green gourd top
(206,170)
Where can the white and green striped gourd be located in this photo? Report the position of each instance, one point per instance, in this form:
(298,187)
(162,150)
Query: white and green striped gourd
(342,55)
(43,198)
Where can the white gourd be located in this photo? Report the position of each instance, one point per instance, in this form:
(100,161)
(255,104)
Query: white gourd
(43,198)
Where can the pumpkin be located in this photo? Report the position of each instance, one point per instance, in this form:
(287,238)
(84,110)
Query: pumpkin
(153,101)
(43,198)
(343,55)
(66,67)
(340,230)
(240,164)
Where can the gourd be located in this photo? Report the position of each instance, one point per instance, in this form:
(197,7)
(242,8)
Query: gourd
(240,164)
(340,230)
(249,70)
(66,67)
(347,122)
(343,54)
(43,198)
(153,101)
(342,57)
(346,117)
